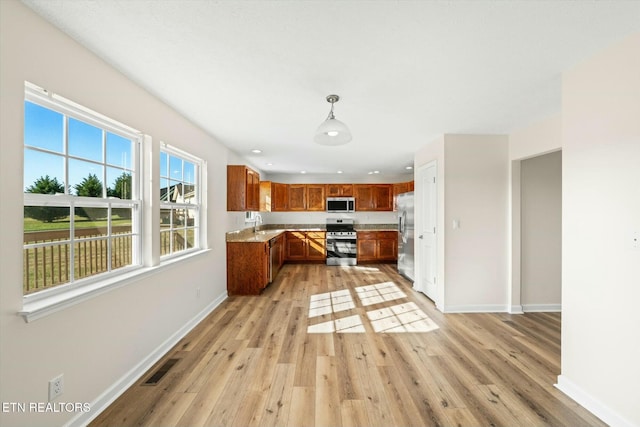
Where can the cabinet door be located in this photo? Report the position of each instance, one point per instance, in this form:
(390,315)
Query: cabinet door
(316,245)
(296,246)
(339,190)
(297,197)
(243,188)
(266,196)
(364,197)
(366,250)
(388,246)
(253,190)
(315,197)
(383,197)
(279,197)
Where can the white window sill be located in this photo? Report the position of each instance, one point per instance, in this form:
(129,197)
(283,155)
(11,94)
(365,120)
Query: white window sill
(34,310)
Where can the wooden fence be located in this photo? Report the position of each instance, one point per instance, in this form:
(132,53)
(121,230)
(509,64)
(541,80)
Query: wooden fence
(49,265)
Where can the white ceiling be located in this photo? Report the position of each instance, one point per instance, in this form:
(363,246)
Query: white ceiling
(255,74)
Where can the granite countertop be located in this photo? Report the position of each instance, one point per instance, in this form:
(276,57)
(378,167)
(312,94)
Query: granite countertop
(269,231)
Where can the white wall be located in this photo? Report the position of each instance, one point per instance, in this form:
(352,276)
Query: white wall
(472,188)
(538,138)
(541,228)
(94,343)
(476,184)
(601,209)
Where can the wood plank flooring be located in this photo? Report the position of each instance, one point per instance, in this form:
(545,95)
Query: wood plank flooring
(354,346)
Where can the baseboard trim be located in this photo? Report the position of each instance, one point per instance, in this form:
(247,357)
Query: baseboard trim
(488,308)
(103,401)
(591,404)
(516,309)
(533,308)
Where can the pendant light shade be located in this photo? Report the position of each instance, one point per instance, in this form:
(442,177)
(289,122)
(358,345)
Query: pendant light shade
(332,131)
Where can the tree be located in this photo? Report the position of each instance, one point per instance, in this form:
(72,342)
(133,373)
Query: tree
(122,190)
(121,187)
(45,185)
(90,187)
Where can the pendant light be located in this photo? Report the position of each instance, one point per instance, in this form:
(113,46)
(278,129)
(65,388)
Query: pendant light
(332,131)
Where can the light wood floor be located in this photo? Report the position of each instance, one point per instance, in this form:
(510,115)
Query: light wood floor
(263,361)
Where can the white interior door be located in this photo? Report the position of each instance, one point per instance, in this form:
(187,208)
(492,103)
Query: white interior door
(427,232)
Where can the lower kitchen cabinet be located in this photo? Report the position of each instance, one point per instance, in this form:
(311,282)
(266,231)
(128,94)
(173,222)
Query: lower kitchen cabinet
(247,267)
(377,246)
(306,246)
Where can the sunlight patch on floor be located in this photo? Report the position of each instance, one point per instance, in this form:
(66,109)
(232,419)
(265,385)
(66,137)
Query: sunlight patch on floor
(401,318)
(378,293)
(350,324)
(330,302)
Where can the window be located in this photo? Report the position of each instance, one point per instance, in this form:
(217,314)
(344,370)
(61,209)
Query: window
(180,201)
(81,194)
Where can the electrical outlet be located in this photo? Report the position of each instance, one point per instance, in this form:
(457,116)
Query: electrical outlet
(56,387)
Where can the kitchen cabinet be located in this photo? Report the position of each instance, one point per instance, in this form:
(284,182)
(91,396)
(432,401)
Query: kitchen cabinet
(339,190)
(306,246)
(273,196)
(243,188)
(373,197)
(306,197)
(315,197)
(377,246)
(399,188)
(247,267)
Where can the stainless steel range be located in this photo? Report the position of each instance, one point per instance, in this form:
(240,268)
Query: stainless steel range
(341,242)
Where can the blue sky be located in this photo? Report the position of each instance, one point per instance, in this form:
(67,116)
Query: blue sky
(44,129)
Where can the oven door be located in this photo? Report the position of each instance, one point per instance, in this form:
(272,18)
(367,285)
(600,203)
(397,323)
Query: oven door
(341,251)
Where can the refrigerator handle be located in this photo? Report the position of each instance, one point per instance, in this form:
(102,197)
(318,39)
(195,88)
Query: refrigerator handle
(400,223)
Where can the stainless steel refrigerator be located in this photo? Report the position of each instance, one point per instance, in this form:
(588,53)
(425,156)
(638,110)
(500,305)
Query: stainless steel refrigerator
(406,234)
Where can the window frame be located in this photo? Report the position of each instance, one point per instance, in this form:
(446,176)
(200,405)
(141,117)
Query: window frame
(69,109)
(198,206)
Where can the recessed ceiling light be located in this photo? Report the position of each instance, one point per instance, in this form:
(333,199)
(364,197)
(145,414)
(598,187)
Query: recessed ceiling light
(409,168)
(339,172)
(376,171)
(303,171)
(269,164)
(370,173)
(256,151)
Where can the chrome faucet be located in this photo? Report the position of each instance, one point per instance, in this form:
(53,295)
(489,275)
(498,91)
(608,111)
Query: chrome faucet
(258,219)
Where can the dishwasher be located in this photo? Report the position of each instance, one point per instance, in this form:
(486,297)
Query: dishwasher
(275,256)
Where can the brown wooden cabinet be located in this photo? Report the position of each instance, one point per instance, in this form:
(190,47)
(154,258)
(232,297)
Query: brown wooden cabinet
(339,190)
(247,267)
(399,188)
(243,188)
(373,197)
(377,246)
(305,246)
(306,197)
(315,197)
(274,197)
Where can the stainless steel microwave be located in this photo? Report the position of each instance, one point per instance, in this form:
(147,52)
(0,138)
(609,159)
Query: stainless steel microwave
(341,204)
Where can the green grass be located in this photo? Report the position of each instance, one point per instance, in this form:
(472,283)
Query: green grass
(31,224)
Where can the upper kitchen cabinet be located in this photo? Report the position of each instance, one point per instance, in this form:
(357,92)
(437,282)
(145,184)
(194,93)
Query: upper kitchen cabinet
(373,197)
(243,188)
(306,197)
(399,188)
(339,190)
(274,197)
